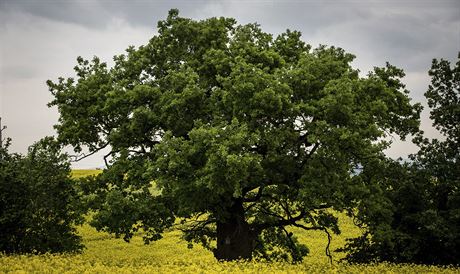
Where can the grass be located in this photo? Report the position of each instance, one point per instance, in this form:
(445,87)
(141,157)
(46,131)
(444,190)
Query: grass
(106,254)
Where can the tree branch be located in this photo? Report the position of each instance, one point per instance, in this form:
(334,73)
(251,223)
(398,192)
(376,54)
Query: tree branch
(197,225)
(106,156)
(281,221)
(304,140)
(329,237)
(83,156)
(313,150)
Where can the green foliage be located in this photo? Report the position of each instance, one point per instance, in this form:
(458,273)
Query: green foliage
(37,201)
(414,215)
(236,128)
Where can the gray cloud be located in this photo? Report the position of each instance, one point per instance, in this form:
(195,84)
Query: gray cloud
(40,40)
(99,13)
(18,72)
(87,13)
(407,33)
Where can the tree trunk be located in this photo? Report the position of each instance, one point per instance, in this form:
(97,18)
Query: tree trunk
(234,238)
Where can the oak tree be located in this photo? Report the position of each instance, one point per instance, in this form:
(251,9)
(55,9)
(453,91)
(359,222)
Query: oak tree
(229,133)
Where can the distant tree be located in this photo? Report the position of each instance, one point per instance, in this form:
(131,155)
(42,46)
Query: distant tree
(37,201)
(415,215)
(233,133)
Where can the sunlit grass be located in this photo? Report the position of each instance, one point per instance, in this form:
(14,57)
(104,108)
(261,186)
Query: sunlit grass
(106,254)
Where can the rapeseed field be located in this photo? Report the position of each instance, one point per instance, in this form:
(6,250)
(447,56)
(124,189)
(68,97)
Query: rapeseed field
(106,254)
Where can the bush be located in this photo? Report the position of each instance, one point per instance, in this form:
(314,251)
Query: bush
(414,217)
(37,201)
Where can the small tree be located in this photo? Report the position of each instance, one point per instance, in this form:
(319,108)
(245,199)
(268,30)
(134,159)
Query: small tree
(415,216)
(233,132)
(37,201)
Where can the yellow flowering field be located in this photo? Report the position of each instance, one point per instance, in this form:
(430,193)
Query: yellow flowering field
(106,254)
(78,173)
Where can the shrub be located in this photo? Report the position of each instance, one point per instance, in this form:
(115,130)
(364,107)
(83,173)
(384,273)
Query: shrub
(37,201)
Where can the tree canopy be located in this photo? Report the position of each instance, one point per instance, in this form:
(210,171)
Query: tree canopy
(230,133)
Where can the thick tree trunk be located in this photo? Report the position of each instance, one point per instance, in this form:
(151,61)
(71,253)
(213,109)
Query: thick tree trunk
(234,238)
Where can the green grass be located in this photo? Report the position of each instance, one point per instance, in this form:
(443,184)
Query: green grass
(106,254)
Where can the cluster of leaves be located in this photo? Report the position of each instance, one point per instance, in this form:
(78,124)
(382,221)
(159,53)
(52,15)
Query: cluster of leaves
(414,215)
(38,201)
(235,127)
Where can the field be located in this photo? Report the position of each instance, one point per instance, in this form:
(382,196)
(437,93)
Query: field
(106,254)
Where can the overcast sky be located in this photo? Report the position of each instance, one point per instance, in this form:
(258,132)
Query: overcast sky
(40,40)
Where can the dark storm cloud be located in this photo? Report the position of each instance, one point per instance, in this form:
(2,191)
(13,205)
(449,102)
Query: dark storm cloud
(403,31)
(87,13)
(99,13)
(406,33)
(400,30)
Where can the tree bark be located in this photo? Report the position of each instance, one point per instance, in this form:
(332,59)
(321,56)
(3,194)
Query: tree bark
(235,240)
